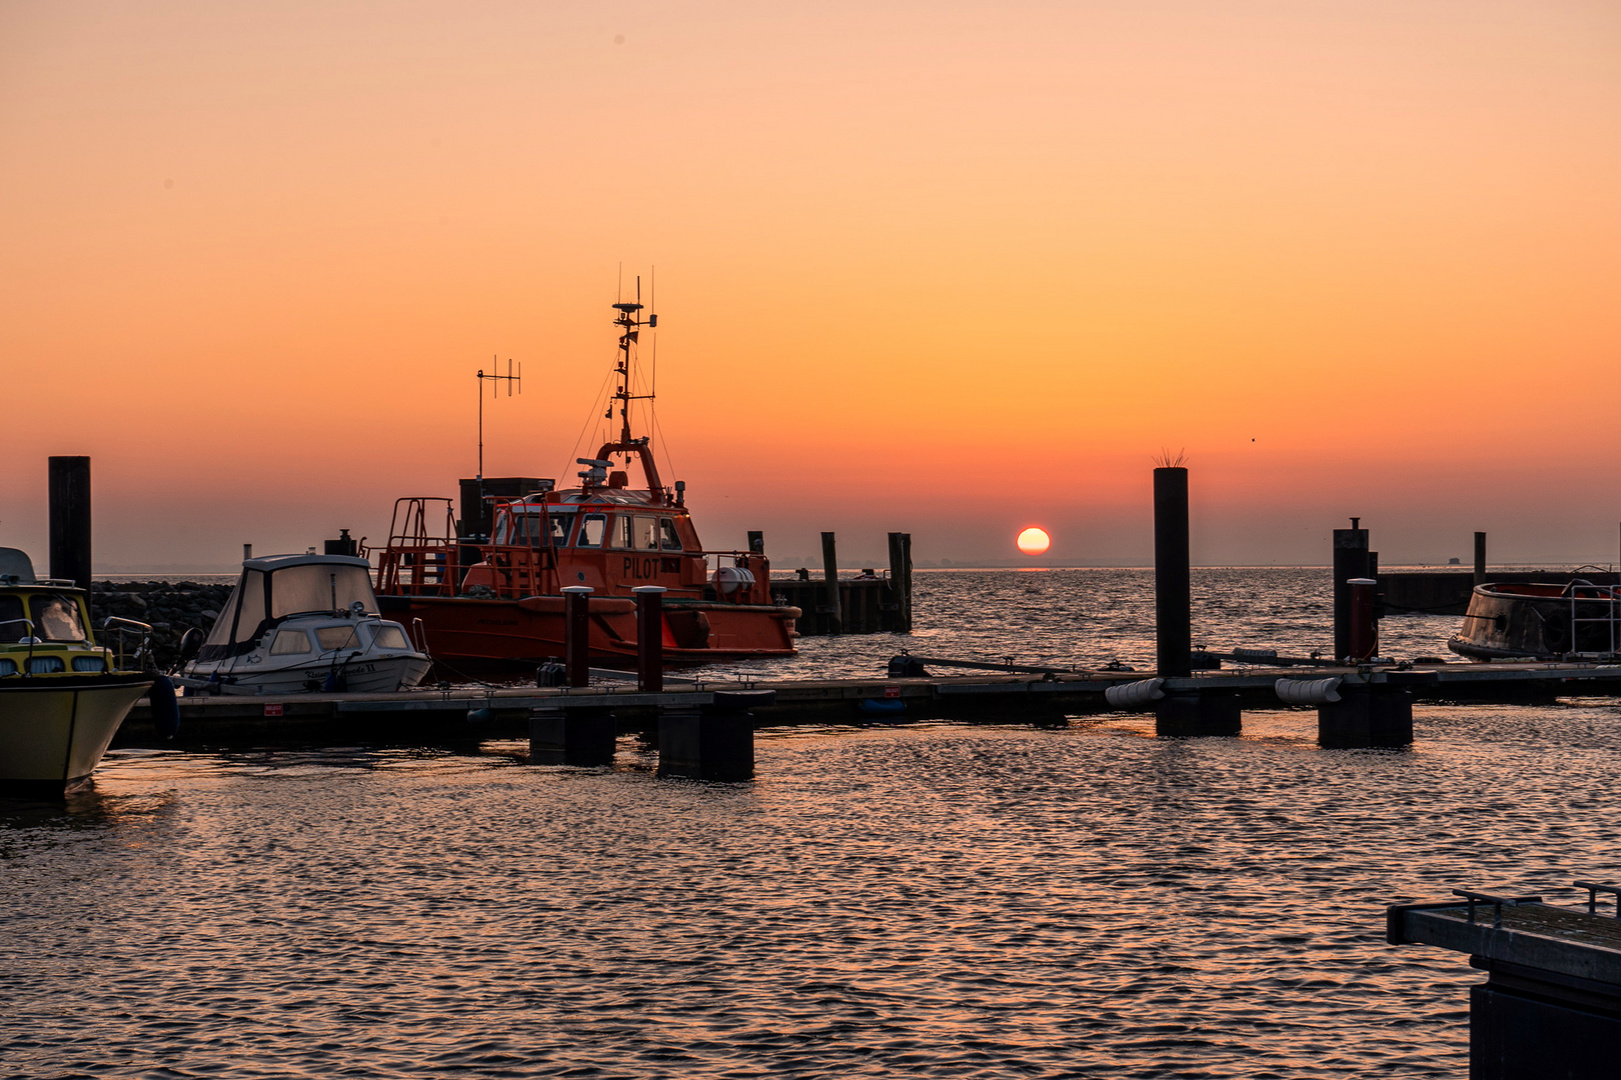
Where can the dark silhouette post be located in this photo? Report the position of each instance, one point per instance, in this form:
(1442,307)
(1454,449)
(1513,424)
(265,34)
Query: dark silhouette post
(900,579)
(1350,561)
(650,637)
(1173,597)
(830,569)
(70,519)
(1480,558)
(577,634)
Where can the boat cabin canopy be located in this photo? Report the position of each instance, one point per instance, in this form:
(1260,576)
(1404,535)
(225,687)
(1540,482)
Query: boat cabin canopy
(278,587)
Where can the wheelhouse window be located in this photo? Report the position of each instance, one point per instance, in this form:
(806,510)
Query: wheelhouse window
(389,637)
(56,618)
(336,637)
(646,533)
(592,526)
(12,627)
(669,539)
(290,642)
(622,531)
(560,524)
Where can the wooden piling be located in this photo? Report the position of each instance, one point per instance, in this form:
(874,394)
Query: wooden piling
(900,580)
(1480,558)
(830,570)
(70,519)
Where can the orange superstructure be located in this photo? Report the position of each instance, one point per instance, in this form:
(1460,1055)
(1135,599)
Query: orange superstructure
(497,596)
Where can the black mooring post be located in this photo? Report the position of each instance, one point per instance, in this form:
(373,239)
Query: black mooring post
(1350,561)
(900,580)
(650,637)
(1173,594)
(70,519)
(1480,558)
(577,634)
(830,571)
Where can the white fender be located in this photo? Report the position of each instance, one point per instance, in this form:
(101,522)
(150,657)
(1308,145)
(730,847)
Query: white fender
(1134,694)
(1308,691)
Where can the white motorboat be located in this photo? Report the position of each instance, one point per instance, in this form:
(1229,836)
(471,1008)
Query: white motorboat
(62,696)
(302,624)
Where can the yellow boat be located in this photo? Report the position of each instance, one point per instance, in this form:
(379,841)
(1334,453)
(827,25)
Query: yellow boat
(62,696)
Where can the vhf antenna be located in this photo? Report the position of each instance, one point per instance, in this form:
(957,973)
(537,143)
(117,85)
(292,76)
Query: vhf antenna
(495,391)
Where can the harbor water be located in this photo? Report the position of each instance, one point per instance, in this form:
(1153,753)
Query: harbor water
(916,899)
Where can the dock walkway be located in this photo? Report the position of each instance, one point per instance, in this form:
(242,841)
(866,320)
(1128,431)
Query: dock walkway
(993,698)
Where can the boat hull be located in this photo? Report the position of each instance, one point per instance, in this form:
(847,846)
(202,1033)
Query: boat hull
(1539,622)
(54,730)
(531,630)
(375,676)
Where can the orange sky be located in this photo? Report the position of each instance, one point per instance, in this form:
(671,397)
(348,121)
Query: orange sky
(948,268)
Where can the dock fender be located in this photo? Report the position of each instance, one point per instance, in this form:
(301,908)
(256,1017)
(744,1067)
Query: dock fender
(165,709)
(1308,691)
(1134,695)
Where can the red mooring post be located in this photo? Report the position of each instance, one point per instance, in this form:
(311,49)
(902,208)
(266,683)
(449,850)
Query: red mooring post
(650,637)
(577,634)
(1364,632)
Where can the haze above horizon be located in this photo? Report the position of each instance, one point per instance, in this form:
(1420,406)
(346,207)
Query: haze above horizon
(953,269)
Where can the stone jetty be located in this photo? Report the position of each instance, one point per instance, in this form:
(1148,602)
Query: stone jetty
(170,607)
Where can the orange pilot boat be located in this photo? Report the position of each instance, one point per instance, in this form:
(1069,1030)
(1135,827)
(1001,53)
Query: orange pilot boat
(497,597)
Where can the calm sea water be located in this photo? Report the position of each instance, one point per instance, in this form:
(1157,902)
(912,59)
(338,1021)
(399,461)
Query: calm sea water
(926,900)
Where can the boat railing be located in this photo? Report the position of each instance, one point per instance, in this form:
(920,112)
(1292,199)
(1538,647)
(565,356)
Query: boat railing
(129,657)
(420,558)
(1598,608)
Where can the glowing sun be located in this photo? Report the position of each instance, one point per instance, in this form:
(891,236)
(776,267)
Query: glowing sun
(1034,541)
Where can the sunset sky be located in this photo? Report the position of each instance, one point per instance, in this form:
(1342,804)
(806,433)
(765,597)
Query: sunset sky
(949,268)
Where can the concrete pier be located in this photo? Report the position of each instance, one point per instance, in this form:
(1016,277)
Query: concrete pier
(563,736)
(714,741)
(1551,1003)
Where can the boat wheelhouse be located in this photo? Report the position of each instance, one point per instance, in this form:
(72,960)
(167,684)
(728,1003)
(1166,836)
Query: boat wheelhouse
(62,695)
(498,597)
(300,623)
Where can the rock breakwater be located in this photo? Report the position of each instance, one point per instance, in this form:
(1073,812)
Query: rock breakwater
(170,607)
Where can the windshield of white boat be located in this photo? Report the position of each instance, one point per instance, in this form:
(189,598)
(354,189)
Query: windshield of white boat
(295,590)
(12,627)
(56,617)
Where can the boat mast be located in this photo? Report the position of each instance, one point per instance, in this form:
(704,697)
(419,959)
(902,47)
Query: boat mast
(630,324)
(630,330)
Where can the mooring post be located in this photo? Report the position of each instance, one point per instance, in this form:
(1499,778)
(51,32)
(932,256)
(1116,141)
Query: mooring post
(1350,561)
(714,741)
(830,568)
(1364,635)
(1201,711)
(1173,597)
(577,634)
(571,736)
(650,637)
(900,579)
(70,519)
(1480,558)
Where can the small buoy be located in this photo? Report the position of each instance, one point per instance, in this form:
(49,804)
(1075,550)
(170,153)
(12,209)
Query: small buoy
(480,716)
(165,710)
(881,707)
